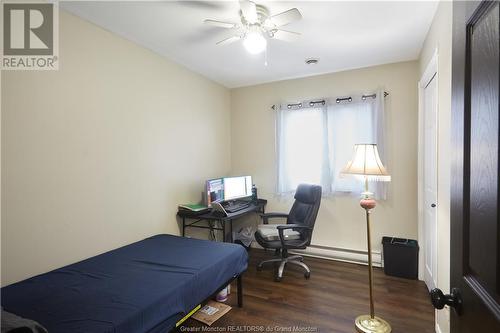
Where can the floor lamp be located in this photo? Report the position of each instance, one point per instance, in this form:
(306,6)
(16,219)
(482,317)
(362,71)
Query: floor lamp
(366,164)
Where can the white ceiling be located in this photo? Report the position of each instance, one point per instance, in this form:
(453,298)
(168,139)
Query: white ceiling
(343,35)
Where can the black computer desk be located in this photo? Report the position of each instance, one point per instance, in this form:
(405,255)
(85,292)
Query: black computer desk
(193,220)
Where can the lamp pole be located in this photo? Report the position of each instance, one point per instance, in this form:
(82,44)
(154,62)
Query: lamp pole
(370,265)
(370,323)
(368,209)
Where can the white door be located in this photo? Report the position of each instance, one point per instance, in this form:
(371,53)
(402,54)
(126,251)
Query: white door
(430,182)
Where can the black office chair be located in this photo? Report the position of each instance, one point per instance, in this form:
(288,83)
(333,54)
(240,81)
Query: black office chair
(297,232)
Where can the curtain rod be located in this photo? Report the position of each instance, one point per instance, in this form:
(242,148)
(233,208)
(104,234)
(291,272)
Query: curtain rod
(323,102)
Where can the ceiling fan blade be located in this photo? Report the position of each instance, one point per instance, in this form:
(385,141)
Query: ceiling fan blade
(286,17)
(220,24)
(228,40)
(249,11)
(288,36)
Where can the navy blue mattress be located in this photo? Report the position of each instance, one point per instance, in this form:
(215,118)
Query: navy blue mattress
(142,287)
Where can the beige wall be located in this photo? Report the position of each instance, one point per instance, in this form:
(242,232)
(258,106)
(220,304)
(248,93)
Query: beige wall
(99,154)
(341,222)
(440,38)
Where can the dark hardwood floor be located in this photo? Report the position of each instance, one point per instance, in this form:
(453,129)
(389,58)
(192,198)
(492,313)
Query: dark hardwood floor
(329,301)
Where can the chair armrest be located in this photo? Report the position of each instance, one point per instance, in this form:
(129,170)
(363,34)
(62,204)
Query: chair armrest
(293,226)
(265,217)
(281,228)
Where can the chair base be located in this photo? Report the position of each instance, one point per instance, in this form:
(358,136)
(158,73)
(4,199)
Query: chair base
(294,260)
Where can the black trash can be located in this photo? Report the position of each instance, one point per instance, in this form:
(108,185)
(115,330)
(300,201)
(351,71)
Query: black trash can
(400,257)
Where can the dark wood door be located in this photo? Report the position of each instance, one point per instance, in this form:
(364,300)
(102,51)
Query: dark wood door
(475,195)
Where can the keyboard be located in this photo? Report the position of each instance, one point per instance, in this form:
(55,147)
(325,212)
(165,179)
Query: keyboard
(236,206)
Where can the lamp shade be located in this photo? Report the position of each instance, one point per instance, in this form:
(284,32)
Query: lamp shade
(366,162)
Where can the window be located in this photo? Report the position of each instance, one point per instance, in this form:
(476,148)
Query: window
(315,142)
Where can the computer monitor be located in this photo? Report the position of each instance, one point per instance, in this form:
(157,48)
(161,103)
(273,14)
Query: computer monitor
(237,187)
(215,190)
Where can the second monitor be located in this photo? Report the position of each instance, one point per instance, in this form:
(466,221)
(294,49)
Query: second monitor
(237,187)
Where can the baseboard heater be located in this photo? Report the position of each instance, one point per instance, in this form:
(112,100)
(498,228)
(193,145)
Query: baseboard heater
(337,253)
(341,254)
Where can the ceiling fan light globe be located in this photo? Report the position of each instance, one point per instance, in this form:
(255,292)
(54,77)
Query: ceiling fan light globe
(254,42)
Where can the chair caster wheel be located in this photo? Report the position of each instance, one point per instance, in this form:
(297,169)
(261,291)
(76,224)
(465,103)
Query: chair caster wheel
(259,267)
(277,279)
(307,275)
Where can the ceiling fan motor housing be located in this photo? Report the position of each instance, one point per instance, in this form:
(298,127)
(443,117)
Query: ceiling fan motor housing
(262,15)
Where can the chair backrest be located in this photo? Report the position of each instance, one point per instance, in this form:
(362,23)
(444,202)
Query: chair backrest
(306,206)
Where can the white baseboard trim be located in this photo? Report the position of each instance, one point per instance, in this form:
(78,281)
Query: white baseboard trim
(340,254)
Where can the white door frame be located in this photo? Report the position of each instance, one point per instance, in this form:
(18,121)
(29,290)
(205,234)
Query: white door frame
(430,72)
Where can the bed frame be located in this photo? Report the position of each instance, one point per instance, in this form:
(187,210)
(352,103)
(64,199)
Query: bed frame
(239,286)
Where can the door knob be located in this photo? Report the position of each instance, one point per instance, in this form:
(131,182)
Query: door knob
(433,205)
(454,300)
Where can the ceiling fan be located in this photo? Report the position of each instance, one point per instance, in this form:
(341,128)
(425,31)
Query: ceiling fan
(257,24)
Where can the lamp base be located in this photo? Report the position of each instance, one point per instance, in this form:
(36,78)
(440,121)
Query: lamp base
(367,324)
